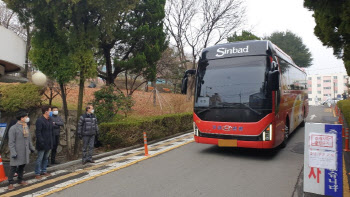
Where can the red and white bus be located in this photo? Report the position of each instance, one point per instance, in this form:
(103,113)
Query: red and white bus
(247,94)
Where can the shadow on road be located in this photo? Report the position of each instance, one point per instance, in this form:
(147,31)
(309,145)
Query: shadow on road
(261,154)
(247,153)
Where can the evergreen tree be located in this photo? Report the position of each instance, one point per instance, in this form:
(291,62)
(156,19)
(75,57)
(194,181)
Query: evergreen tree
(293,46)
(246,35)
(333,26)
(135,43)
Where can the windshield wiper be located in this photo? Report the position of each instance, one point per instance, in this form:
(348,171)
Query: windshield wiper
(209,108)
(242,104)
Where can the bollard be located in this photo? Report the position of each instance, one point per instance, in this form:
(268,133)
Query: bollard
(145,142)
(2,171)
(346,149)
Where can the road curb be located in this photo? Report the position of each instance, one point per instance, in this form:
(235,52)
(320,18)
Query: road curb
(95,157)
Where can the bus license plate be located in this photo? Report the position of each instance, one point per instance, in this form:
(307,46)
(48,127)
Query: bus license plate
(227,143)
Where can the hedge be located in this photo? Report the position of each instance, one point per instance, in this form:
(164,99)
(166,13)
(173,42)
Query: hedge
(344,106)
(19,96)
(129,132)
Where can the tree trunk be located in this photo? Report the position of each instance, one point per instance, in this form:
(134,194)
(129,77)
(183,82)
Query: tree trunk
(153,84)
(28,46)
(67,123)
(107,55)
(79,112)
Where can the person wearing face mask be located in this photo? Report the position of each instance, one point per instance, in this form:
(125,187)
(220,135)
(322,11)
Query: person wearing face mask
(87,129)
(44,141)
(20,145)
(57,124)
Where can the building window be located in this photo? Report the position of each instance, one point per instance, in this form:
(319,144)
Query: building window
(336,91)
(319,99)
(327,88)
(318,92)
(325,94)
(309,78)
(326,81)
(334,77)
(309,85)
(310,99)
(310,92)
(318,85)
(335,84)
(319,78)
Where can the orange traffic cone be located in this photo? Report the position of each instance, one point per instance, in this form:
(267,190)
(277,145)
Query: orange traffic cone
(2,171)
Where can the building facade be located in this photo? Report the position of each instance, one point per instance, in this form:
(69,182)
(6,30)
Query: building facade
(322,87)
(12,55)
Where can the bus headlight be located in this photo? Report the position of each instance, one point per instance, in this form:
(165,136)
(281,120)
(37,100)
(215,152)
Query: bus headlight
(195,129)
(267,134)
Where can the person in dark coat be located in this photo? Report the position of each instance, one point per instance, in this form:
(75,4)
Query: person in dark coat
(20,144)
(87,129)
(57,124)
(44,142)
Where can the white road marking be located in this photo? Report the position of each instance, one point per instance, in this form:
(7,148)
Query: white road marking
(312,116)
(91,173)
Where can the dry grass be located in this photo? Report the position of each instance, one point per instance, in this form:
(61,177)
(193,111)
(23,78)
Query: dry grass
(166,103)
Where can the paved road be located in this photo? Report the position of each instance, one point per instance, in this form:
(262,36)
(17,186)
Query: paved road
(206,170)
(180,167)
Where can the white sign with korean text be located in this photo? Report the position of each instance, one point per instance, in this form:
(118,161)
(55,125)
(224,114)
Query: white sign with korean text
(323,159)
(322,141)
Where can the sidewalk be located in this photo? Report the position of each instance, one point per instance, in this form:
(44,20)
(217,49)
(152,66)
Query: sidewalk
(29,168)
(346,161)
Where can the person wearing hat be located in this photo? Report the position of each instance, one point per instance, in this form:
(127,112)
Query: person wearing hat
(20,144)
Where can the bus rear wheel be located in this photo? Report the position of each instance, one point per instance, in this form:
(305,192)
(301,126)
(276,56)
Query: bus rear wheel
(286,135)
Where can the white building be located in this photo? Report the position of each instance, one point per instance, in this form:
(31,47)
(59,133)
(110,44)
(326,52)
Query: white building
(321,87)
(12,55)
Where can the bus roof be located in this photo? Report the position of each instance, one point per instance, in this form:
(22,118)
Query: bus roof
(246,48)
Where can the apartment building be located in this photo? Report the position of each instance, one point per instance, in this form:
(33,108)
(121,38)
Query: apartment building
(321,87)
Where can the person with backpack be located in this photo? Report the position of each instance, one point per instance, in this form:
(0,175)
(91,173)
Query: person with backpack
(87,131)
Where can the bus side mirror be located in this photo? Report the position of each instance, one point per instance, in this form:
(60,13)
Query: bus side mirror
(273,80)
(185,80)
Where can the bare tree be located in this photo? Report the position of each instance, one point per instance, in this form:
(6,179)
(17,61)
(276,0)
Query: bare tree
(197,24)
(179,16)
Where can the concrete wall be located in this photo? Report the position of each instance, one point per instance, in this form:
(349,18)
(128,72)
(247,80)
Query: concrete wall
(12,51)
(34,115)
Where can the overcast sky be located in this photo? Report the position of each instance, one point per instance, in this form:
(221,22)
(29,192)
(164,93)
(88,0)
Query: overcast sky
(265,17)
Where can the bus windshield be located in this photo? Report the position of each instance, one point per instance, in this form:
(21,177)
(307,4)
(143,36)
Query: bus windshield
(233,90)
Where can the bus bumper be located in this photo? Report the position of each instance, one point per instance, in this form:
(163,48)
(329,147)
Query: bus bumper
(242,144)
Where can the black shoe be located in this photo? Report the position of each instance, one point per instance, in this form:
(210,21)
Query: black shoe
(84,162)
(55,162)
(92,161)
